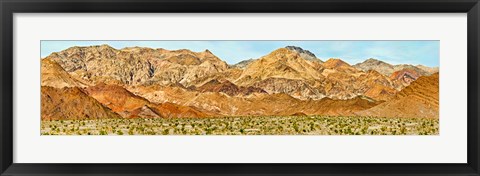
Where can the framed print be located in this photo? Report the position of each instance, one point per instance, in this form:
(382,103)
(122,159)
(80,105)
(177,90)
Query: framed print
(239,88)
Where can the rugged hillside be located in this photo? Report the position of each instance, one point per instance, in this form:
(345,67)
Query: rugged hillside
(388,69)
(430,70)
(405,76)
(344,82)
(138,66)
(291,70)
(254,104)
(129,105)
(304,53)
(379,66)
(71,103)
(419,99)
(228,88)
(377,86)
(276,72)
(121,101)
(281,63)
(53,75)
(243,64)
(136,82)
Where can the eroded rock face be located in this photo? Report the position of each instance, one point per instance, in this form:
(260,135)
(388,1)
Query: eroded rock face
(70,103)
(296,88)
(228,88)
(379,66)
(140,82)
(129,105)
(419,99)
(289,70)
(256,104)
(388,69)
(243,64)
(138,66)
(53,75)
(429,70)
(404,77)
(304,53)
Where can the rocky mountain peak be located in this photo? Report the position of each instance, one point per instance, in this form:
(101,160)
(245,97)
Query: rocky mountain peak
(371,62)
(377,65)
(306,54)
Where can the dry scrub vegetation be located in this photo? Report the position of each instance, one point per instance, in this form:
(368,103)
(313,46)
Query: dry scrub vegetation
(285,125)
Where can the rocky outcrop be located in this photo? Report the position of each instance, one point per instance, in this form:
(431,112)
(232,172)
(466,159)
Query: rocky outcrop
(256,104)
(243,64)
(419,100)
(69,103)
(228,88)
(296,88)
(388,69)
(281,63)
(121,101)
(284,71)
(405,76)
(429,70)
(53,75)
(377,65)
(136,82)
(129,105)
(289,70)
(304,53)
(138,66)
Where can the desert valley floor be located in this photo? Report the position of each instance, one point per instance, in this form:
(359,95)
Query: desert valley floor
(275,125)
(100,90)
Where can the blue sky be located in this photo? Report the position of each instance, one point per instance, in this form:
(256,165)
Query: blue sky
(394,52)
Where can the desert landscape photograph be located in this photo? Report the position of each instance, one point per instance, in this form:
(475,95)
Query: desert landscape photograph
(239,87)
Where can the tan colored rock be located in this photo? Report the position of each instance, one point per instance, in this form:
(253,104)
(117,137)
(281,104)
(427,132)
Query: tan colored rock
(138,66)
(130,105)
(53,75)
(69,103)
(419,100)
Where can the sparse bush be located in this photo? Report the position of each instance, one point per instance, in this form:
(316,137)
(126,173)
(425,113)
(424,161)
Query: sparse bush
(251,125)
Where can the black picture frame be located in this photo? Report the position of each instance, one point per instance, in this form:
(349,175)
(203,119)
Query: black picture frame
(9,7)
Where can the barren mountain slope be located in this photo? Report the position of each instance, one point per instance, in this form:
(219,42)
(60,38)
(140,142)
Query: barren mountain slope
(53,75)
(130,105)
(344,82)
(388,69)
(404,77)
(419,99)
(290,70)
(373,64)
(254,104)
(281,63)
(228,88)
(304,53)
(71,103)
(430,70)
(138,66)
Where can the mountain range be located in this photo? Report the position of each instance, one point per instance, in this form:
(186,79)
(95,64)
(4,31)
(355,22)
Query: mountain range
(135,82)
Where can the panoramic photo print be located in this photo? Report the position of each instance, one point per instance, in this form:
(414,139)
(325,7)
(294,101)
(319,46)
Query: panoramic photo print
(239,87)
